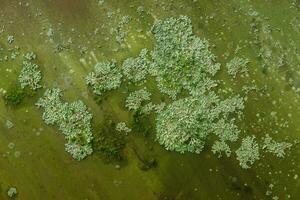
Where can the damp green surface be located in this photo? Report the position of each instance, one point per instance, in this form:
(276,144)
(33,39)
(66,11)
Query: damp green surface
(43,170)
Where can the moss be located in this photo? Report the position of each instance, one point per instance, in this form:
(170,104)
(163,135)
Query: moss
(108,143)
(141,124)
(14,96)
(237,66)
(186,123)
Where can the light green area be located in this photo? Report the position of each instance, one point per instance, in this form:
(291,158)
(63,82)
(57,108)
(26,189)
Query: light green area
(265,32)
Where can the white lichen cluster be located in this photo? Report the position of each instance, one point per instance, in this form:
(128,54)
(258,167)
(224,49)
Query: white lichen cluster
(72,119)
(220,147)
(136,69)
(141,10)
(10,39)
(12,192)
(184,66)
(105,77)
(148,108)
(181,61)
(135,99)
(122,127)
(30,76)
(120,30)
(151,107)
(276,148)
(30,56)
(186,123)
(9,124)
(248,152)
(237,66)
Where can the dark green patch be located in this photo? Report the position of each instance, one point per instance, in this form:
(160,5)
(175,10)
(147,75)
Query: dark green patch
(108,143)
(14,96)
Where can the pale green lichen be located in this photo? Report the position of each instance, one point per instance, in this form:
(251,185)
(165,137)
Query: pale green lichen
(135,99)
(30,56)
(276,148)
(30,76)
(10,39)
(122,127)
(186,123)
(182,64)
(12,192)
(136,69)
(237,66)
(180,59)
(220,147)
(248,152)
(72,119)
(181,127)
(9,124)
(105,77)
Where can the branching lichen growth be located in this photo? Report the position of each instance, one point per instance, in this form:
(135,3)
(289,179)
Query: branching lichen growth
(186,123)
(237,66)
(248,152)
(136,69)
(105,77)
(72,119)
(30,56)
(179,129)
(181,60)
(220,147)
(276,148)
(184,66)
(135,99)
(30,76)
(122,127)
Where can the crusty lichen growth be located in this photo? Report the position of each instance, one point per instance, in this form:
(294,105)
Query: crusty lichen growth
(30,76)
(181,61)
(220,147)
(276,148)
(136,69)
(72,119)
(237,66)
(248,152)
(186,123)
(122,127)
(135,99)
(105,77)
